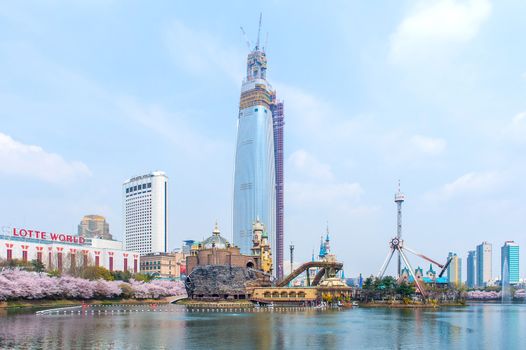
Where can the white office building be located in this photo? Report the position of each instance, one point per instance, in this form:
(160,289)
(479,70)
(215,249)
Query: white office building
(484,264)
(145,201)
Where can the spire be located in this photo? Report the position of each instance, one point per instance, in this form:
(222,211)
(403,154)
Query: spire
(216,229)
(327,231)
(322,248)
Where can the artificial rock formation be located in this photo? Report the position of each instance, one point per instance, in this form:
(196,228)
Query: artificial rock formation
(224,282)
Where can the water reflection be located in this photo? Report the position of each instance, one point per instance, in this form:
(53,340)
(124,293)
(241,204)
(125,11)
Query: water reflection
(479,326)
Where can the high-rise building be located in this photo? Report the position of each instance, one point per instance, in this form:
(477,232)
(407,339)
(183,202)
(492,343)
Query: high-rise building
(454,270)
(145,201)
(484,252)
(258,173)
(94,226)
(279,123)
(509,259)
(472,269)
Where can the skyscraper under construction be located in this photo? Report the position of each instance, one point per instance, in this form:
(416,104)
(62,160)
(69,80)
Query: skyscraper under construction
(258,173)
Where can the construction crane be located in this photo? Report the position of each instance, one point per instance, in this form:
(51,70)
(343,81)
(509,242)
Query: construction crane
(259,30)
(249,45)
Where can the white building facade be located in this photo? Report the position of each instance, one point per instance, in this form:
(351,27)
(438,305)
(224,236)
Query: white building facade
(145,213)
(484,264)
(63,254)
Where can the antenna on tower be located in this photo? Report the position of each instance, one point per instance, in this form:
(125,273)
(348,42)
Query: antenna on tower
(246,38)
(259,30)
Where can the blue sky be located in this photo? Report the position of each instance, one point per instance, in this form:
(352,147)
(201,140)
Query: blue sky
(428,92)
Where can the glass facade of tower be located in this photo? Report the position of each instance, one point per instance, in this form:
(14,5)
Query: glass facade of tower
(510,262)
(254,183)
(472,269)
(254,173)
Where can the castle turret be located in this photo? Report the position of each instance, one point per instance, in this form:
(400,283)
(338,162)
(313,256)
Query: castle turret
(261,246)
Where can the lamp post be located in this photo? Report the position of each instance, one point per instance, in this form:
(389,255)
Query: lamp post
(291,247)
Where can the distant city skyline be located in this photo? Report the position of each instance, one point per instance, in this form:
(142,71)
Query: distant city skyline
(373,94)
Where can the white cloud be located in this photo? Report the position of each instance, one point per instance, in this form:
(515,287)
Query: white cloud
(313,184)
(432,26)
(202,53)
(169,125)
(515,130)
(334,194)
(469,184)
(304,163)
(23,160)
(428,145)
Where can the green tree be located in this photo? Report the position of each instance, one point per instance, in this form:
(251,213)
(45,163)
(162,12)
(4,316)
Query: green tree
(121,276)
(368,283)
(127,290)
(96,272)
(405,289)
(38,266)
(144,277)
(54,273)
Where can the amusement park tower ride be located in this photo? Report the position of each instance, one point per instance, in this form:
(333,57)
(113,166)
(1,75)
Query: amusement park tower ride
(397,245)
(399,199)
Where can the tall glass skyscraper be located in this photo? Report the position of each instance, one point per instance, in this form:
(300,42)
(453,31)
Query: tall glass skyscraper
(258,173)
(509,256)
(472,269)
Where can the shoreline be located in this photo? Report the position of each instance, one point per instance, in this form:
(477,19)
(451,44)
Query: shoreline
(41,303)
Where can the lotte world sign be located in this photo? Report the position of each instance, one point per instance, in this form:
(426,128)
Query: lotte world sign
(50,236)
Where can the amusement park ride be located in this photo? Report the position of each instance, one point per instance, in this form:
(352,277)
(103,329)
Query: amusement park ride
(397,245)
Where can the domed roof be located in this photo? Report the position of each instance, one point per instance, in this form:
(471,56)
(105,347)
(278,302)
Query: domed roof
(215,241)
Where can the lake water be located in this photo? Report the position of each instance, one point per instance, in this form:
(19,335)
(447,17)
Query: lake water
(480,326)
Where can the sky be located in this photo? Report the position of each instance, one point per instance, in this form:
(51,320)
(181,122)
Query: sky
(428,92)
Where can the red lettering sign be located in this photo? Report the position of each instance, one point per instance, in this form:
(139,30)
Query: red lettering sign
(59,237)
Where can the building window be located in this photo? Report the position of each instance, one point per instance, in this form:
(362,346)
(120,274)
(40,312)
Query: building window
(97,261)
(85,262)
(125,264)
(149,185)
(50,260)
(135,266)
(10,254)
(39,256)
(111,263)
